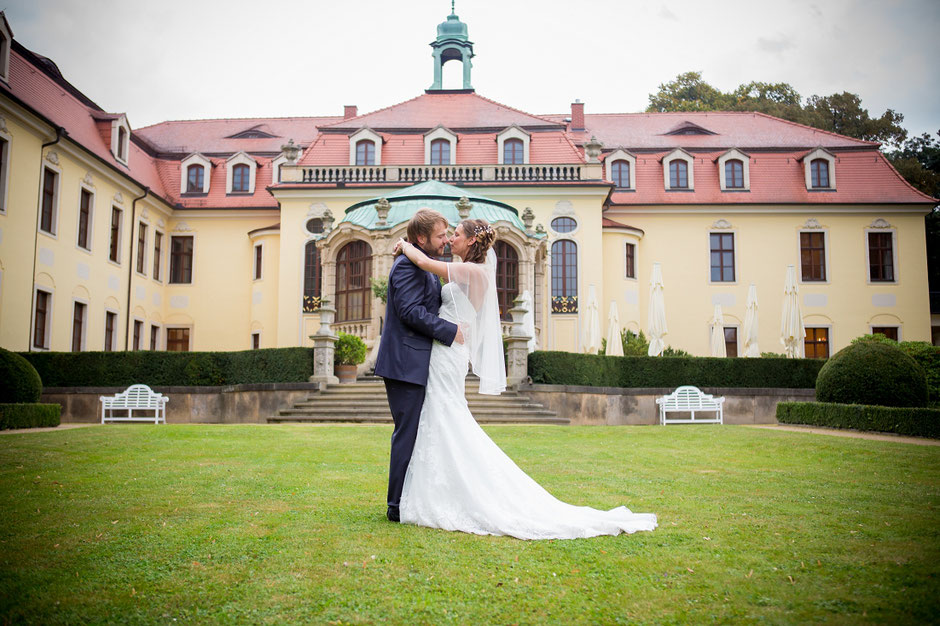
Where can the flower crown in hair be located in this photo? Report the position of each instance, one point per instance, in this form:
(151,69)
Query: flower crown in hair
(483,229)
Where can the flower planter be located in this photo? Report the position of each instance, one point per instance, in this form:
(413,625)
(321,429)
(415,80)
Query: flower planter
(346,373)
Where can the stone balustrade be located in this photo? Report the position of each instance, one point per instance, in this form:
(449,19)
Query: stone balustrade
(331,174)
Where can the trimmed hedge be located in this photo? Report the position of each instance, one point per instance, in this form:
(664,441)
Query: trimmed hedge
(19,381)
(29,415)
(913,421)
(567,368)
(163,369)
(872,373)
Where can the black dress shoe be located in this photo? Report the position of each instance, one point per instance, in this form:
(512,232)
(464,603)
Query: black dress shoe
(392,514)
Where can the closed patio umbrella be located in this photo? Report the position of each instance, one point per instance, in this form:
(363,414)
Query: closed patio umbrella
(718,333)
(792,331)
(750,323)
(592,327)
(614,343)
(656,324)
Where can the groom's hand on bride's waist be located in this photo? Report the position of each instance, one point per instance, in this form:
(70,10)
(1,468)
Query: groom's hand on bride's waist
(458,338)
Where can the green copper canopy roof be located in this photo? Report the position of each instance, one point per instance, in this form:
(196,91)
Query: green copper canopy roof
(453,28)
(441,197)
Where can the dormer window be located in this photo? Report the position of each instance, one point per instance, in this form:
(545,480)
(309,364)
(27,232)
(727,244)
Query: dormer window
(513,152)
(677,171)
(440,152)
(620,173)
(365,152)
(734,171)
(621,169)
(679,175)
(6,37)
(819,167)
(819,173)
(194,174)
(440,147)
(512,145)
(195,178)
(120,138)
(365,147)
(241,175)
(241,172)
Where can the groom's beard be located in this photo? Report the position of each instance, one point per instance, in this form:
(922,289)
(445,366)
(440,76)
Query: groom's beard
(431,251)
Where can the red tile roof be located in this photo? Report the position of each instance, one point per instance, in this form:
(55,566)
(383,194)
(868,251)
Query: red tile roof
(635,131)
(57,103)
(775,178)
(452,110)
(170,173)
(212,137)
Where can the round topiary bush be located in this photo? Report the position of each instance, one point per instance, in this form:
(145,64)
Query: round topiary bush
(19,380)
(871,372)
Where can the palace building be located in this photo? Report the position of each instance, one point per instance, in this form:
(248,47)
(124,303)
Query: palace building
(230,234)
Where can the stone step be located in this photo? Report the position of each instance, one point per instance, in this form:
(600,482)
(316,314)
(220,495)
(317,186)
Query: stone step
(387,419)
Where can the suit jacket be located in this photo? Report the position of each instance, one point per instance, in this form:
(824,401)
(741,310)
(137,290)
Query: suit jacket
(411,324)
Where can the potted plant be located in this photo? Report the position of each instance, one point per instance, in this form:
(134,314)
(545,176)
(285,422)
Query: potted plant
(349,352)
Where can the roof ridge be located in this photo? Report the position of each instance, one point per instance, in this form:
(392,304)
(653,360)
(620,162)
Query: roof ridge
(237,119)
(813,128)
(349,119)
(574,147)
(490,100)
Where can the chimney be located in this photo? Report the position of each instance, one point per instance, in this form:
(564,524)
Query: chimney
(577,115)
(350,110)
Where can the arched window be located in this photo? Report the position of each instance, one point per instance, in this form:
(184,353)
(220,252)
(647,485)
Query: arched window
(195,176)
(507,277)
(312,276)
(513,152)
(240,176)
(819,171)
(564,224)
(353,292)
(365,152)
(734,174)
(678,174)
(620,173)
(440,152)
(564,277)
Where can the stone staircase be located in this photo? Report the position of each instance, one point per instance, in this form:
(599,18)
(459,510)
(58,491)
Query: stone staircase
(364,402)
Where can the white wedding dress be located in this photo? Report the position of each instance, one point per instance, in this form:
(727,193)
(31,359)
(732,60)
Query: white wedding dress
(458,479)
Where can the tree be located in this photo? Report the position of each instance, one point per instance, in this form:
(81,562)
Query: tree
(777,99)
(688,92)
(843,113)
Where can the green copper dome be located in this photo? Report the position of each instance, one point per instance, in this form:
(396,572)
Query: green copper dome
(453,28)
(436,195)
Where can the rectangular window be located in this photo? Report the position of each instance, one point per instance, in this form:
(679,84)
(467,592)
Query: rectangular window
(816,343)
(631,260)
(41,319)
(255,341)
(138,331)
(78,326)
(813,256)
(181,260)
(154,336)
(115,247)
(141,247)
(110,321)
(177,339)
(722,257)
(891,332)
(157,254)
(4,161)
(881,257)
(84,219)
(47,215)
(731,341)
(258,253)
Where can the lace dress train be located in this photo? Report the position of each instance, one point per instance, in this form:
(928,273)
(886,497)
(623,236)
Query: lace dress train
(459,479)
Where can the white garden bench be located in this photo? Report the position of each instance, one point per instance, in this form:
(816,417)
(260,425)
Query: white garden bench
(134,398)
(689,399)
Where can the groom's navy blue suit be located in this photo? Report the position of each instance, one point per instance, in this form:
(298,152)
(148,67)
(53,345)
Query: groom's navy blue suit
(411,325)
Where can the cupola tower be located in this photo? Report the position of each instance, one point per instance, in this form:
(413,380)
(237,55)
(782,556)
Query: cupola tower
(452,44)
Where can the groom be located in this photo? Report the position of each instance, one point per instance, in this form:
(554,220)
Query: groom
(411,325)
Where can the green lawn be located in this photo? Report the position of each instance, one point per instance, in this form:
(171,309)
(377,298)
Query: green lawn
(274,524)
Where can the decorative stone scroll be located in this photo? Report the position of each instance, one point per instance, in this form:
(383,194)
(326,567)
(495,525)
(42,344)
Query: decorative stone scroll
(53,157)
(812,224)
(880,223)
(721,224)
(463,207)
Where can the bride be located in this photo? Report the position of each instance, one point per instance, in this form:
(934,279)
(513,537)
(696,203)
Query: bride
(458,479)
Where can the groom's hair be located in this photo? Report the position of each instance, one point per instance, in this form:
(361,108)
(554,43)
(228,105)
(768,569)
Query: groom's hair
(423,224)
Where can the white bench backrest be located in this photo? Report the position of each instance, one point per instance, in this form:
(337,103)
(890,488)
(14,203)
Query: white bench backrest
(688,398)
(136,396)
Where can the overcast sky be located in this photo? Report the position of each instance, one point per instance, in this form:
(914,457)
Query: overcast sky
(172,59)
